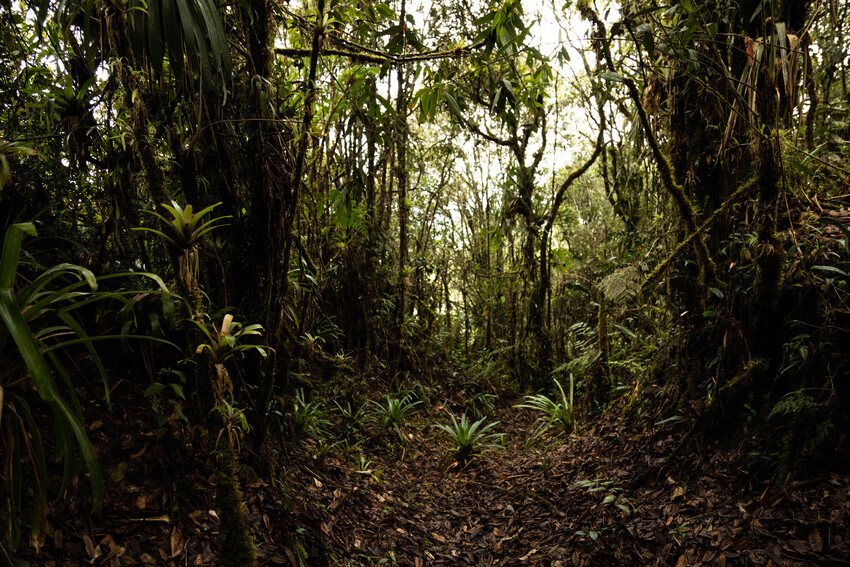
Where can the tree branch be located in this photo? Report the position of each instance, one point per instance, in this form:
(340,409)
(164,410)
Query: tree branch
(559,196)
(364,54)
(683,203)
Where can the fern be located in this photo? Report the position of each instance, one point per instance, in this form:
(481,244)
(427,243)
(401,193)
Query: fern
(796,403)
(622,285)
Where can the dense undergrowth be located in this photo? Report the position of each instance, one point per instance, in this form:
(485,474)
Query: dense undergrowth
(255,250)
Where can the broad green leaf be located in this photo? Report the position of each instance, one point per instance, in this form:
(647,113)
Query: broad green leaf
(170,26)
(453,105)
(11,251)
(21,334)
(831,269)
(87,451)
(840,226)
(187,21)
(80,332)
(35,448)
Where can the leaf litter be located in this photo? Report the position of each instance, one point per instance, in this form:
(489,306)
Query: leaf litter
(605,495)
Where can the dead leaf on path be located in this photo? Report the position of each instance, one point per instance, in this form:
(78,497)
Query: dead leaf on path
(178,543)
(815,540)
(119,472)
(92,551)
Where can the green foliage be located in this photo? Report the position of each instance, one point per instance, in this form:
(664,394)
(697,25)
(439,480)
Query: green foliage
(37,318)
(353,420)
(612,493)
(224,344)
(557,413)
(394,412)
(234,424)
(10,150)
(158,393)
(309,417)
(469,439)
(797,403)
(581,349)
(482,404)
(621,285)
(184,228)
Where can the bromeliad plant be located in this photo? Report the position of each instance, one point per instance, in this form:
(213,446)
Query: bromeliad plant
(353,419)
(394,412)
(221,346)
(469,439)
(309,417)
(556,413)
(40,317)
(183,230)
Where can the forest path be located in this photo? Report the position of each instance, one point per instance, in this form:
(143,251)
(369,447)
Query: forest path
(594,499)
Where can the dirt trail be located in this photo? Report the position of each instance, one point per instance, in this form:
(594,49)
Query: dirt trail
(592,500)
(597,498)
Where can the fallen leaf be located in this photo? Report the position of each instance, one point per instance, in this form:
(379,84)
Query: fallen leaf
(178,543)
(90,549)
(119,472)
(815,540)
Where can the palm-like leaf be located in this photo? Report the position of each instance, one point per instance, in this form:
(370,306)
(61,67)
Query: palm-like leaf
(223,344)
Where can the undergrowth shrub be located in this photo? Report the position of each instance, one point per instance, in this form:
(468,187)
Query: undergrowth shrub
(557,413)
(469,439)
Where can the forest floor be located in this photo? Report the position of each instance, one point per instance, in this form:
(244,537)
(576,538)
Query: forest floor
(605,495)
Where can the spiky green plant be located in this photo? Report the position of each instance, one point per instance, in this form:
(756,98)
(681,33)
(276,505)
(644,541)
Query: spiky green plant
(309,417)
(353,419)
(469,439)
(184,228)
(482,404)
(557,413)
(394,412)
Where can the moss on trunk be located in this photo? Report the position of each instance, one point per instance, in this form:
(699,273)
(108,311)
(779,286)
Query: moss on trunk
(235,541)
